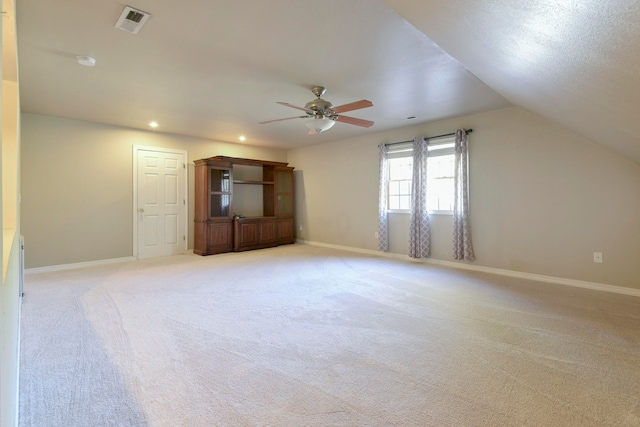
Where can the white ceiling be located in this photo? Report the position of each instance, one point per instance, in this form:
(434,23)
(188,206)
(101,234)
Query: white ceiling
(214,69)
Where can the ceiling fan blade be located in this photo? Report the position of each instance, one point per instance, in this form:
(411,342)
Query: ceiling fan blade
(355,121)
(286,104)
(353,106)
(279,120)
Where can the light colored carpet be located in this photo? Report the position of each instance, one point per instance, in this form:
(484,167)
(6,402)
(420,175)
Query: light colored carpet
(308,336)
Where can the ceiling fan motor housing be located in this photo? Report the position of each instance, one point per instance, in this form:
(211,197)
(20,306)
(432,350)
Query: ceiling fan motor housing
(319,106)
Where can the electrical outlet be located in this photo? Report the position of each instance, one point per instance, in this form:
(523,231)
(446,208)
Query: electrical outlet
(375,234)
(597,257)
(300,227)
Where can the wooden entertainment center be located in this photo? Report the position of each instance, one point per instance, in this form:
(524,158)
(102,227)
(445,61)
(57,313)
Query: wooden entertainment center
(242,204)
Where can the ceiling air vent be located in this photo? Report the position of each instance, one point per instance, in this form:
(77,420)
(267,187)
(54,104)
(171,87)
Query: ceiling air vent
(132,20)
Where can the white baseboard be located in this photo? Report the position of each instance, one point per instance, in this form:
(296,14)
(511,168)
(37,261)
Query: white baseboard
(501,272)
(61,267)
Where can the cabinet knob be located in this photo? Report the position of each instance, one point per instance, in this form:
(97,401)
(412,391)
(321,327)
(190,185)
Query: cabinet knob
(141,210)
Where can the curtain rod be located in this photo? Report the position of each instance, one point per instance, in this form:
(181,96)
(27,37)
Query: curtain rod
(467,131)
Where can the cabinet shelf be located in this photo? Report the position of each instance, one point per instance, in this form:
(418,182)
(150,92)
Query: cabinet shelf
(244,181)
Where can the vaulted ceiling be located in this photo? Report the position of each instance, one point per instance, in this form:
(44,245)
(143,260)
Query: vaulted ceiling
(215,69)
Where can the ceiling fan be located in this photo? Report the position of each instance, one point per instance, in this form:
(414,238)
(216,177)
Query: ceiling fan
(322,115)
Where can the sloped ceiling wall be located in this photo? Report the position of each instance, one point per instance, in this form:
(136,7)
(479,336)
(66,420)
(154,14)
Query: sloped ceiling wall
(574,62)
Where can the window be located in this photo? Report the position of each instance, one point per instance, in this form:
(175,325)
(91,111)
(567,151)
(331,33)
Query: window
(440,177)
(400,171)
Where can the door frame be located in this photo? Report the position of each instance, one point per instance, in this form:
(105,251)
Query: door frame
(136,151)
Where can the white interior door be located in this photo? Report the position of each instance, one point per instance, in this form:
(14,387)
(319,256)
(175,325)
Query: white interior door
(160,202)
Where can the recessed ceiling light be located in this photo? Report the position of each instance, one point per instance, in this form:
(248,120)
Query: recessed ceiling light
(242,138)
(153,124)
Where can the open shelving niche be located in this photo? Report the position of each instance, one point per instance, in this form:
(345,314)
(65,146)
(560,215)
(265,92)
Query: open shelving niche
(249,191)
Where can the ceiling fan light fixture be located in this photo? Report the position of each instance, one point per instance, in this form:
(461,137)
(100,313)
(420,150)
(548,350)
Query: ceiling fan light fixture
(87,61)
(319,123)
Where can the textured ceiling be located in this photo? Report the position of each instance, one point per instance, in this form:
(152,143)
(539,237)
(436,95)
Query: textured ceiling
(574,62)
(214,69)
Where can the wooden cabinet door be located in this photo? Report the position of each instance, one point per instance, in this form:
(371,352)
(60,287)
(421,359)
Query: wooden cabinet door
(284,191)
(284,205)
(219,237)
(220,191)
(213,228)
(267,232)
(285,231)
(246,232)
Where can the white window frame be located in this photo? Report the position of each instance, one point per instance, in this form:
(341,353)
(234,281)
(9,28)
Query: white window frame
(398,153)
(443,147)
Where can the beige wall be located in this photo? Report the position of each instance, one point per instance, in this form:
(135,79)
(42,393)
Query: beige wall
(77,186)
(543,199)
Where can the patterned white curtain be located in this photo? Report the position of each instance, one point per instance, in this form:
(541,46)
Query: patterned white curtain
(462,247)
(420,234)
(383,229)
